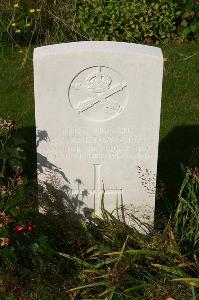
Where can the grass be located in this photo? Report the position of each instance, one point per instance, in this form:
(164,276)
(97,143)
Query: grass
(111,260)
(180,88)
(108,261)
(16,97)
(179,129)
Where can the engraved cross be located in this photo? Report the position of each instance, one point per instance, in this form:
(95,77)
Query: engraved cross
(97,191)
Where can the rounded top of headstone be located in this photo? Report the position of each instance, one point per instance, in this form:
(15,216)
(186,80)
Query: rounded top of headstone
(130,48)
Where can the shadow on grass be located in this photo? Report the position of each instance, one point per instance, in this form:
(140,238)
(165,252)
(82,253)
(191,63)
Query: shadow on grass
(174,149)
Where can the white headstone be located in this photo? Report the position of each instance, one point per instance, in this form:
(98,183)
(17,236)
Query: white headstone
(97,116)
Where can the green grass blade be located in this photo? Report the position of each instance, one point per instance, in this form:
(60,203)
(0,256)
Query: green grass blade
(137,287)
(191,281)
(122,251)
(171,270)
(135,252)
(92,285)
(75,259)
(110,297)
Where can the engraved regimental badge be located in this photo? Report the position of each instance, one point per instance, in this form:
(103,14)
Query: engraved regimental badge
(98,93)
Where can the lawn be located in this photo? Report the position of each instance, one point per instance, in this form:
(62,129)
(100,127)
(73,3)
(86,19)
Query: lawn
(120,262)
(179,131)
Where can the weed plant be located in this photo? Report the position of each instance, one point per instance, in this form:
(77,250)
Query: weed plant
(187,213)
(25,22)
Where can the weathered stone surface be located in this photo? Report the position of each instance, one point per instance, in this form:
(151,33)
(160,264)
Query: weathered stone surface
(97,115)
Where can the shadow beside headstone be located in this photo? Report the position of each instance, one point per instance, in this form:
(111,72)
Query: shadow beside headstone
(174,149)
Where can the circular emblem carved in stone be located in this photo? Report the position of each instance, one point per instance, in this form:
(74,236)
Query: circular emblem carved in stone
(98,93)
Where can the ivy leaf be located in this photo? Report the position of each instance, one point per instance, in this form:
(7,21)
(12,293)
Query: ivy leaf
(14,212)
(4,154)
(8,253)
(18,141)
(13,202)
(194,26)
(14,163)
(42,246)
(184,32)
